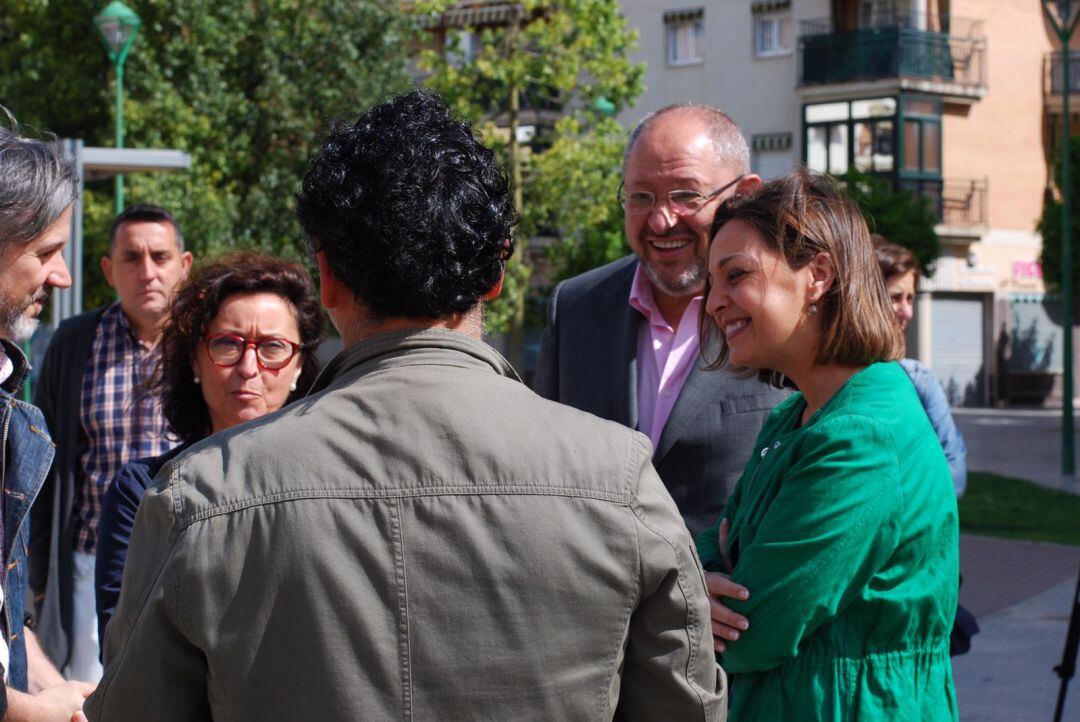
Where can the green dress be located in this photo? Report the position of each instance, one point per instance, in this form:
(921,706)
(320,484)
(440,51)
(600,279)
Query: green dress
(845,532)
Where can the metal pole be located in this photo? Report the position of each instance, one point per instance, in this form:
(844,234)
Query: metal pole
(1068,466)
(119,133)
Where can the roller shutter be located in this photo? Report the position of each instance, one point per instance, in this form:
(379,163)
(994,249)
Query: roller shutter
(958,347)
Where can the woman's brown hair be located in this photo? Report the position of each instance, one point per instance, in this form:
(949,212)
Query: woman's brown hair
(196,304)
(799,216)
(894,260)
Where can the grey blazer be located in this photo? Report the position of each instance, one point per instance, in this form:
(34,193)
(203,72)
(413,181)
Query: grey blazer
(588,360)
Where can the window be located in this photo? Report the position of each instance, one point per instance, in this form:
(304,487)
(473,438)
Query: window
(773,35)
(462,46)
(774,30)
(685,31)
(860,133)
(922,136)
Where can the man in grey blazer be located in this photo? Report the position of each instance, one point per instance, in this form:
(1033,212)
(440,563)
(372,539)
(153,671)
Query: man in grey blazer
(622,340)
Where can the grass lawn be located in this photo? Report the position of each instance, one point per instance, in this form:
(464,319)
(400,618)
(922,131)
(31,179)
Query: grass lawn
(1016,509)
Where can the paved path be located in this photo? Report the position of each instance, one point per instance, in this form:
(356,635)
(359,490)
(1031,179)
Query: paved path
(1021,592)
(1008,676)
(1025,444)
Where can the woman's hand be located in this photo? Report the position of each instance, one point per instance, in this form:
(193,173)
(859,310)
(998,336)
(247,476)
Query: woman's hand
(726,624)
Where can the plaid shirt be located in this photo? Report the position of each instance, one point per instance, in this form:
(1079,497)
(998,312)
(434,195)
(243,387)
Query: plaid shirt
(118,427)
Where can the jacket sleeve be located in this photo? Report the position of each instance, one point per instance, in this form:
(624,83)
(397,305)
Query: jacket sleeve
(117,520)
(952,442)
(546,380)
(670,670)
(154,669)
(830,528)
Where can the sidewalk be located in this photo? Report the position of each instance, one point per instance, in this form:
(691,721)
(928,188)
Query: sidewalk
(1022,443)
(1021,592)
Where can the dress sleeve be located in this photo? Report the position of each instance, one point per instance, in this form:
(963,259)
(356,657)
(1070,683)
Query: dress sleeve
(832,525)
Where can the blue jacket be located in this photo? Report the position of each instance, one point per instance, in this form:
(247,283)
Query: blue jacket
(26,451)
(936,405)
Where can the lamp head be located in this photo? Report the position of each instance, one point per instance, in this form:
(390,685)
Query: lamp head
(117,25)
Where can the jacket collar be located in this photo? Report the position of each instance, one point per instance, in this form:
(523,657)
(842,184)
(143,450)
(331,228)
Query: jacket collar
(15,381)
(397,343)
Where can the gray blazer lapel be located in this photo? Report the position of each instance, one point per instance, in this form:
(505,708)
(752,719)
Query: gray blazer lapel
(629,368)
(701,390)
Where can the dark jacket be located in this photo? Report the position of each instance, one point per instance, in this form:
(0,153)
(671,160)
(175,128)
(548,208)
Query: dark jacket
(58,394)
(118,509)
(588,360)
(25,454)
(421,538)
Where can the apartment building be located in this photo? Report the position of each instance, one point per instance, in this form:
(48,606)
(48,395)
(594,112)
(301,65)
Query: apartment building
(953,99)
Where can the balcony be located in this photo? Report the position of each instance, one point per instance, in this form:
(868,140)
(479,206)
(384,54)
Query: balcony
(1054,81)
(958,204)
(890,49)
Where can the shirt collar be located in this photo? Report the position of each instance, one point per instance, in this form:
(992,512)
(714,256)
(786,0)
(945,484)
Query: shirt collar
(642,299)
(404,341)
(13,366)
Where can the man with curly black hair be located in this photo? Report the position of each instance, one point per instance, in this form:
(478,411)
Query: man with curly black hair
(421,537)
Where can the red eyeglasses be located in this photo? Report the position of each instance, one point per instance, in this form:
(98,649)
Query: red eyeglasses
(272,353)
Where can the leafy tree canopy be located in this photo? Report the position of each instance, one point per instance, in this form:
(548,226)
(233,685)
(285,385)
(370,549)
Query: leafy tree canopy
(562,66)
(247,88)
(901,216)
(1050,223)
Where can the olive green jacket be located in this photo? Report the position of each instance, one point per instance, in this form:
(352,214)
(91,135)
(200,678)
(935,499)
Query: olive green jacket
(421,538)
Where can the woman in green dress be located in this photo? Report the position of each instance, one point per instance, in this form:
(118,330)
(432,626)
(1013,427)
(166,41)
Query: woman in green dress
(843,527)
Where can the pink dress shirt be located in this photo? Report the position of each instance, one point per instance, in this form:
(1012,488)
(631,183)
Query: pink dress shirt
(665,356)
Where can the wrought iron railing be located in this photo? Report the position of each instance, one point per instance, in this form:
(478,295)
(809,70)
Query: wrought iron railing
(957,203)
(1054,77)
(888,42)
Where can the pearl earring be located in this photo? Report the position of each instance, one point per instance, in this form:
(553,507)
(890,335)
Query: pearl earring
(813,309)
(196,379)
(292,386)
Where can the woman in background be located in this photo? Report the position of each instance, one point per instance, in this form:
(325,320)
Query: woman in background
(901,273)
(239,344)
(843,526)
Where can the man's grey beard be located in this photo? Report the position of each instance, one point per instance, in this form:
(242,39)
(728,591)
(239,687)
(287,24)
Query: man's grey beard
(688,283)
(15,325)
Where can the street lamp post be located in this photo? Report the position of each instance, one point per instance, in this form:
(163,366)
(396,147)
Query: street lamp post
(1062,17)
(118,25)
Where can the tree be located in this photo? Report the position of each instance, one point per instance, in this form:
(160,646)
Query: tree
(901,216)
(547,58)
(247,88)
(1050,223)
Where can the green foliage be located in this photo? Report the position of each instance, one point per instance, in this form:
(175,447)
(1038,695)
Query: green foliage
(901,216)
(1050,223)
(246,88)
(580,173)
(1016,509)
(550,65)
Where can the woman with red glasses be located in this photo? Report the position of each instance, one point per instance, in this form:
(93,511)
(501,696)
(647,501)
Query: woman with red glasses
(239,344)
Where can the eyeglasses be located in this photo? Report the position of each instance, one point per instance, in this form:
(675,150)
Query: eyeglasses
(681,202)
(226,349)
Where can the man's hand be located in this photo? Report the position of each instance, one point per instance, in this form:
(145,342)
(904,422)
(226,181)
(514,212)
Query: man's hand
(42,674)
(59,703)
(726,624)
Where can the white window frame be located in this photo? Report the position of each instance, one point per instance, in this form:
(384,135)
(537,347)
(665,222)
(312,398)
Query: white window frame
(775,23)
(691,33)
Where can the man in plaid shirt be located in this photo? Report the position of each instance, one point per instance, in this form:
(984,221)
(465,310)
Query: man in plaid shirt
(90,392)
